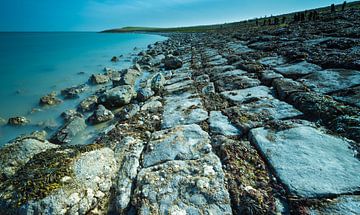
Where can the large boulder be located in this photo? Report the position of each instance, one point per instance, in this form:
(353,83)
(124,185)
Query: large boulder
(128,78)
(99,79)
(172,62)
(88,104)
(73,92)
(70,129)
(158,82)
(144,94)
(118,96)
(50,99)
(101,115)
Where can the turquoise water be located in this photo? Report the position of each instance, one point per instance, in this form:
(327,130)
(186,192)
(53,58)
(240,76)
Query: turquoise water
(35,64)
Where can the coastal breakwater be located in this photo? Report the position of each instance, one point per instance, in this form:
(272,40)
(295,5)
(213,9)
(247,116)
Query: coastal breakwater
(247,121)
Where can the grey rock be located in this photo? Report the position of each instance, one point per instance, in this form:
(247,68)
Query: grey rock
(268,76)
(248,94)
(208,89)
(73,92)
(152,106)
(331,80)
(88,104)
(144,94)
(171,62)
(18,152)
(186,142)
(2,121)
(238,47)
(183,187)
(69,130)
(202,79)
(158,82)
(297,70)
(93,172)
(18,120)
(99,79)
(118,96)
(127,154)
(101,115)
(137,67)
(235,82)
(220,124)
(272,61)
(50,99)
(69,114)
(128,111)
(128,77)
(230,73)
(349,205)
(310,163)
(285,87)
(350,96)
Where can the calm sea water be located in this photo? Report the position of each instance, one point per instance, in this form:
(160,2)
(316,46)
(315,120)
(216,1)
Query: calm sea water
(35,64)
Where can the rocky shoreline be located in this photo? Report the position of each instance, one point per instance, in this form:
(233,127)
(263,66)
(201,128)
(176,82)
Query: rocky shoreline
(263,120)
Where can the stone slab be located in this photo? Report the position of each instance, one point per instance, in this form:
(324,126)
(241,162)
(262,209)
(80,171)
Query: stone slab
(297,70)
(349,205)
(220,124)
(248,94)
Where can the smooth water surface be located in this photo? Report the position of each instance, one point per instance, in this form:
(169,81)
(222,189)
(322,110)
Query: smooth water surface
(35,64)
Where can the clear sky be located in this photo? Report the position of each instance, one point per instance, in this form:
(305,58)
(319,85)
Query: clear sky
(95,15)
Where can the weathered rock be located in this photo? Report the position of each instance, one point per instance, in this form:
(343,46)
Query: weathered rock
(249,94)
(99,79)
(183,187)
(238,47)
(331,80)
(82,183)
(235,82)
(217,61)
(172,62)
(309,162)
(88,104)
(118,96)
(101,115)
(114,59)
(202,79)
(230,73)
(144,94)
(187,142)
(73,92)
(127,154)
(285,87)
(69,130)
(152,106)
(128,77)
(128,111)
(208,89)
(50,99)
(350,96)
(272,61)
(348,126)
(220,124)
(2,121)
(297,70)
(18,120)
(158,82)
(69,114)
(268,76)
(18,152)
(257,113)
(343,205)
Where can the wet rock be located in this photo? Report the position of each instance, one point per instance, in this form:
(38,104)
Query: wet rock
(202,79)
(229,73)
(297,70)
(171,62)
(341,205)
(137,67)
(144,94)
(220,124)
(235,82)
(183,187)
(48,124)
(156,61)
(85,183)
(118,96)
(88,104)
(101,115)
(19,120)
(2,121)
(50,99)
(238,47)
(191,143)
(127,78)
(331,80)
(18,152)
(152,106)
(250,67)
(158,82)
(268,76)
(128,111)
(69,130)
(249,94)
(217,61)
(285,87)
(99,79)
(69,114)
(73,92)
(114,59)
(328,166)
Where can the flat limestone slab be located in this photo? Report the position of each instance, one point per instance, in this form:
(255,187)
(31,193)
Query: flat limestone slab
(183,187)
(272,61)
(297,70)
(220,124)
(187,142)
(309,162)
(248,94)
(332,80)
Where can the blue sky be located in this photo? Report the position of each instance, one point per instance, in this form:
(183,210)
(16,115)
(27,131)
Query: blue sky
(95,15)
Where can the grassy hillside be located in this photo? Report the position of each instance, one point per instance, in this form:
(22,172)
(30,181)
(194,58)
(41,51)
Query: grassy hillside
(242,24)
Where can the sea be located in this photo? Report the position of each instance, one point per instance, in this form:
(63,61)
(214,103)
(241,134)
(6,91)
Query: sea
(35,64)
